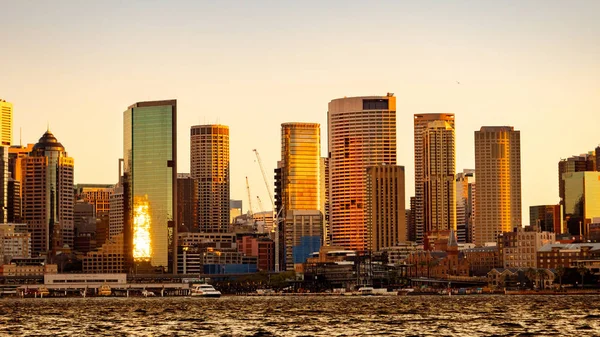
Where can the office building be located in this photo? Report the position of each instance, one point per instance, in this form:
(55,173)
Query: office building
(582,163)
(150,191)
(5,178)
(582,201)
(362,133)
(498,167)
(6,123)
(386,217)
(439,167)
(303,235)
(47,195)
(13,209)
(187,203)
(518,248)
(97,195)
(465,195)
(300,184)
(235,209)
(445,123)
(209,155)
(549,218)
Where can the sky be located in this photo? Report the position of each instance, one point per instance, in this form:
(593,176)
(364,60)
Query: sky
(252,65)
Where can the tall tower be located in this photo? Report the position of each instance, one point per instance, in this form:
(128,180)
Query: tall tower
(421,130)
(210,167)
(465,181)
(386,214)
(6,123)
(301,189)
(150,191)
(498,167)
(48,195)
(362,133)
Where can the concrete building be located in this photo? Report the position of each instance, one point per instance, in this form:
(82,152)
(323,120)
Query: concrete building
(582,201)
(97,195)
(150,183)
(15,242)
(386,217)
(209,165)
(187,203)
(325,199)
(362,133)
(262,248)
(465,205)
(498,167)
(566,255)
(5,177)
(303,235)
(47,194)
(421,124)
(301,190)
(109,258)
(548,217)
(482,259)
(13,209)
(6,123)
(235,210)
(116,212)
(518,248)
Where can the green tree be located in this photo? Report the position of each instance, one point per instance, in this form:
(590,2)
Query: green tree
(560,272)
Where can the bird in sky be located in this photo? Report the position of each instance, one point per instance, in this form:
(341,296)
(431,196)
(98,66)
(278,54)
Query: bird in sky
(457,82)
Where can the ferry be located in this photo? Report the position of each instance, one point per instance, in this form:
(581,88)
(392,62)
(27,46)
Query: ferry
(43,291)
(104,290)
(204,290)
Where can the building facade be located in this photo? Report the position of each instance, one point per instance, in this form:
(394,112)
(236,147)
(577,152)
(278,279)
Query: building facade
(465,200)
(362,133)
(386,217)
(581,163)
(498,167)
(6,123)
(187,203)
(518,248)
(47,194)
(582,201)
(421,124)
(303,235)
(150,170)
(98,195)
(548,217)
(209,166)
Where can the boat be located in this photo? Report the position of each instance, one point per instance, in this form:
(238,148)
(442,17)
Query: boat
(366,291)
(43,291)
(104,290)
(204,290)
(147,293)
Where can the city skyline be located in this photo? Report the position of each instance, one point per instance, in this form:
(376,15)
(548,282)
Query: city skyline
(538,75)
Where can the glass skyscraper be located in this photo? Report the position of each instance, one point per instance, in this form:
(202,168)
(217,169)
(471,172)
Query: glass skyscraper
(150,157)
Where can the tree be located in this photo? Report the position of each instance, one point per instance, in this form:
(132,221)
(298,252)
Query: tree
(531,275)
(560,272)
(582,270)
(542,276)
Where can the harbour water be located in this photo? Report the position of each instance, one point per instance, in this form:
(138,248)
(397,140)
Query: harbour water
(480,315)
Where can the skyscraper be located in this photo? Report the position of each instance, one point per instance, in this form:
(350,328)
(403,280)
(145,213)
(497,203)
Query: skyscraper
(150,170)
(465,197)
(187,203)
(582,201)
(48,195)
(386,214)
(301,189)
(582,163)
(209,155)
(440,135)
(362,133)
(498,167)
(6,121)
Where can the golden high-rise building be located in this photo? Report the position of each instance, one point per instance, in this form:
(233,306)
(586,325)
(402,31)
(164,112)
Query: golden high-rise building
(362,133)
(209,155)
(48,195)
(498,167)
(428,165)
(6,121)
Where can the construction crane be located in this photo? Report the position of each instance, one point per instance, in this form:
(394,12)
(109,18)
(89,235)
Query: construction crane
(262,170)
(260,206)
(249,198)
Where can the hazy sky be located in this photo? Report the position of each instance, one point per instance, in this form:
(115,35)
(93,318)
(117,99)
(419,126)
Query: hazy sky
(253,65)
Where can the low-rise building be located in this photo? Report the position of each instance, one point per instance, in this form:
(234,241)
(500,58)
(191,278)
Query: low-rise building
(110,258)
(482,259)
(566,255)
(518,249)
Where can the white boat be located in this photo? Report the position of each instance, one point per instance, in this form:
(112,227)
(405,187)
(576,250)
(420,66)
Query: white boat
(104,290)
(366,291)
(204,290)
(147,293)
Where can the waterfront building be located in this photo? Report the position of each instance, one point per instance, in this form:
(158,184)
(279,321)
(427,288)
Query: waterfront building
(482,259)
(15,242)
(301,189)
(434,209)
(187,203)
(47,192)
(498,167)
(261,247)
(443,263)
(386,217)
(26,270)
(582,201)
(6,123)
(209,165)
(569,255)
(398,253)
(362,133)
(465,200)
(548,217)
(150,183)
(519,247)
